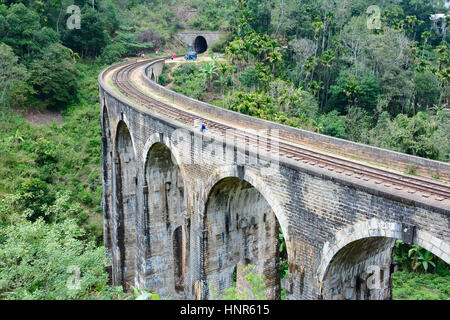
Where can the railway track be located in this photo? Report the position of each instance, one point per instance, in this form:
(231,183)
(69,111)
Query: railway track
(439,191)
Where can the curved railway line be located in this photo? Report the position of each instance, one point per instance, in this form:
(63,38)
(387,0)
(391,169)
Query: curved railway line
(121,78)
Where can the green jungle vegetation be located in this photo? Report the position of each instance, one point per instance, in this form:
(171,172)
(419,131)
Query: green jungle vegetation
(314,66)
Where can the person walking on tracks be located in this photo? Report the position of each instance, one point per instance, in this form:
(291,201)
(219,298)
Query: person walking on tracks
(204,124)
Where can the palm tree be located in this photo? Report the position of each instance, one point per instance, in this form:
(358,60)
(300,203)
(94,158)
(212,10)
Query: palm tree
(410,24)
(209,71)
(310,65)
(224,70)
(274,59)
(444,77)
(351,91)
(315,87)
(426,36)
(327,60)
(318,25)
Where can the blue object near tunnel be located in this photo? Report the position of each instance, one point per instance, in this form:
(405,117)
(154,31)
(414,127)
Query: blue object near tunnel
(191,55)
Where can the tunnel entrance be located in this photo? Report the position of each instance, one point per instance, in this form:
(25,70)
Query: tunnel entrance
(200,44)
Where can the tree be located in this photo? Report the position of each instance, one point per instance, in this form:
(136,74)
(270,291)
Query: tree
(20,27)
(54,76)
(11,72)
(444,77)
(362,91)
(109,11)
(426,36)
(225,79)
(427,90)
(303,49)
(421,259)
(112,53)
(249,78)
(332,124)
(389,56)
(410,24)
(260,15)
(256,287)
(209,71)
(411,135)
(91,38)
(327,59)
(354,38)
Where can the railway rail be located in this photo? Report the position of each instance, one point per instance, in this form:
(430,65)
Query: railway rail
(412,184)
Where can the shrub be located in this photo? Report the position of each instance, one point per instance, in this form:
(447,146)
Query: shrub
(163,80)
(35,195)
(332,124)
(112,53)
(258,287)
(47,261)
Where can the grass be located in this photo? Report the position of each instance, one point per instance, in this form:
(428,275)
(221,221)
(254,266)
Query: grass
(416,286)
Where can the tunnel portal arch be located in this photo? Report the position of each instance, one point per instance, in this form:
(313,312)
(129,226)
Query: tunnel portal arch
(200,44)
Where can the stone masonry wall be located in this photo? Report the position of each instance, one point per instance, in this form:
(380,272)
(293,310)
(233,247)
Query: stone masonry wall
(340,146)
(318,212)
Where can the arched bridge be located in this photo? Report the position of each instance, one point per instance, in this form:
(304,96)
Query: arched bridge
(183,209)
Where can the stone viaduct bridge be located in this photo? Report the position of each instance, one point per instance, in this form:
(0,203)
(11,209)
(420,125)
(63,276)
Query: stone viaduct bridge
(183,209)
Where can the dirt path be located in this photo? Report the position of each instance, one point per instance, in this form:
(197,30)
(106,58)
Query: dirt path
(37,117)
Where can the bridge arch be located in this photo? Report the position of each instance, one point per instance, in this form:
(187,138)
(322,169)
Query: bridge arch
(254,179)
(164,139)
(125,176)
(344,268)
(242,228)
(107,150)
(165,219)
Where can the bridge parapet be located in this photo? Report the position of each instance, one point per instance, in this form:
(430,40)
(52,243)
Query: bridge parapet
(383,157)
